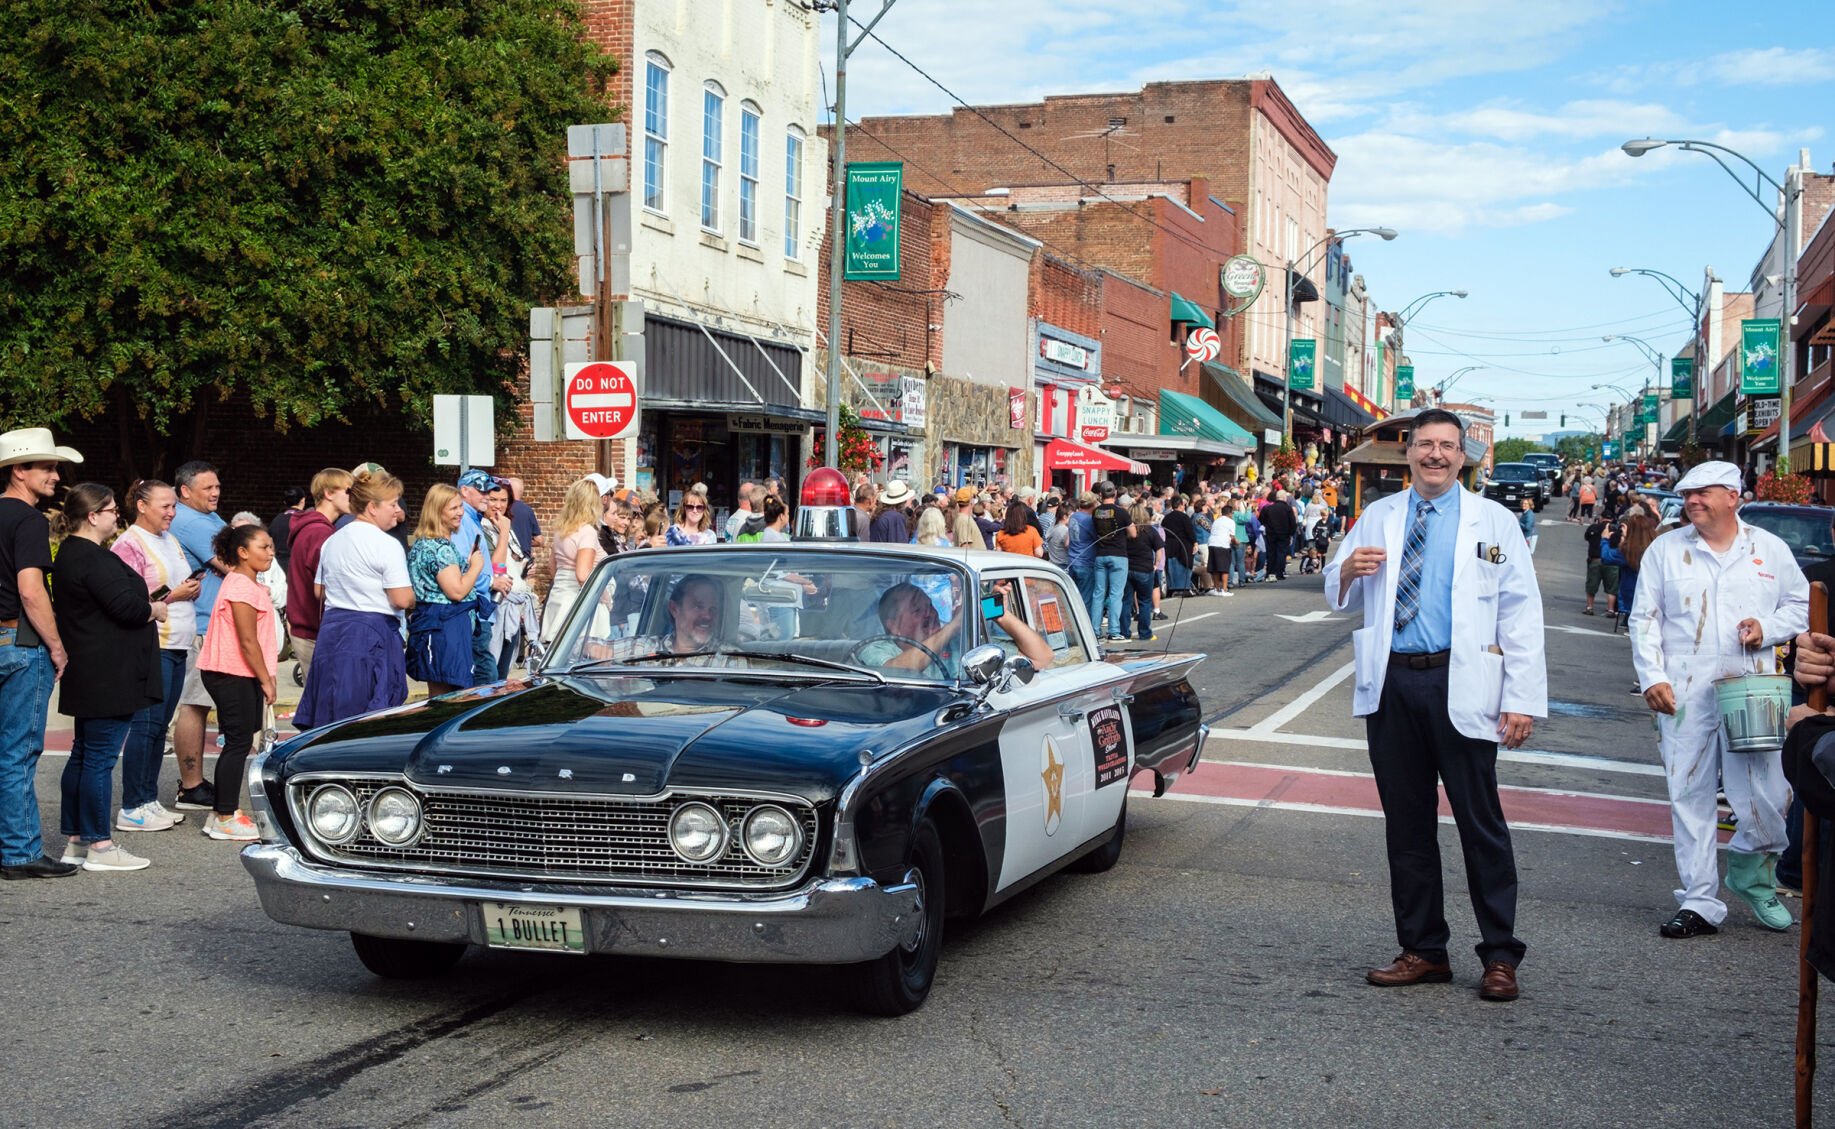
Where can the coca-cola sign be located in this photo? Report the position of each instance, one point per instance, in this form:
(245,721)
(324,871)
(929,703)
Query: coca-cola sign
(1095,415)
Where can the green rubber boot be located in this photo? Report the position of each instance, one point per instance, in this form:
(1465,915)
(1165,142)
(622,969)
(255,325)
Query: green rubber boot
(1751,876)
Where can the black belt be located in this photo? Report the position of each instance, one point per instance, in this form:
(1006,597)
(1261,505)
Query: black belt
(1427,661)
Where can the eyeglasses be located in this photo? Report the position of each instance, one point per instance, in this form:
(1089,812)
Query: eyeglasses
(1428,447)
(693,509)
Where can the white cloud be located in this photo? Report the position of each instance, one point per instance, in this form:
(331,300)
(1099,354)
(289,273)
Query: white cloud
(1749,66)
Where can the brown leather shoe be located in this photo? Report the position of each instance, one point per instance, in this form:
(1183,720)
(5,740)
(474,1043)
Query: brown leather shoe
(1499,983)
(1409,968)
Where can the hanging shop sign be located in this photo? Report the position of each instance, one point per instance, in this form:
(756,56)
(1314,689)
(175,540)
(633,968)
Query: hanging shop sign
(1682,378)
(873,215)
(1095,415)
(1243,277)
(1758,356)
(1300,356)
(1016,408)
(1064,353)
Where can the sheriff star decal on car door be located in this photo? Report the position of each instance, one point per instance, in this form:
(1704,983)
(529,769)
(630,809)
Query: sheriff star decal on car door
(1051,771)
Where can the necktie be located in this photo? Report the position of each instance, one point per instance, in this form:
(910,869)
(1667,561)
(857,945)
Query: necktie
(1408,588)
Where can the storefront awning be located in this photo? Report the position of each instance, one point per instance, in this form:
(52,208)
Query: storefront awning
(1342,411)
(1187,311)
(1233,386)
(1148,444)
(1067,454)
(1187,415)
(1716,417)
(1812,402)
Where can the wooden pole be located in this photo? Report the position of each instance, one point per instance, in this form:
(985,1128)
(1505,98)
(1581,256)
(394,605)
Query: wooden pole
(1807,985)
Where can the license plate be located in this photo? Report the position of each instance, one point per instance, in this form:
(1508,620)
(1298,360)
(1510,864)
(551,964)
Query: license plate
(554,929)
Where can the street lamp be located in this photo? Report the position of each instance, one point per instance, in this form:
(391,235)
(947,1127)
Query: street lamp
(1386,233)
(1413,308)
(1440,389)
(1790,223)
(1693,304)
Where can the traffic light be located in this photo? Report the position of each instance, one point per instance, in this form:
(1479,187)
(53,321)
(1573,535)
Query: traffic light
(1506,419)
(1563,419)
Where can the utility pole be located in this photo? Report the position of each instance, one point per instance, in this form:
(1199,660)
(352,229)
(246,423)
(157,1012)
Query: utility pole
(837,216)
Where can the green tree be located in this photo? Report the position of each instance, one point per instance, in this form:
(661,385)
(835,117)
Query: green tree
(1578,448)
(333,206)
(1513,450)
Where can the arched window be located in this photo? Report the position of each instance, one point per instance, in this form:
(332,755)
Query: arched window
(656,130)
(713,125)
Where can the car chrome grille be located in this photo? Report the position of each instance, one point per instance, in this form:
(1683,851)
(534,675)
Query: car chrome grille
(559,838)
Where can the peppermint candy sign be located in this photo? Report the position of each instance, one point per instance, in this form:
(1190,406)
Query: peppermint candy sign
(1203,344)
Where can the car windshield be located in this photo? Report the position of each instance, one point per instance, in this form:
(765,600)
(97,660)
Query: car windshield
(815,610)
(1513,472)
(1805,531)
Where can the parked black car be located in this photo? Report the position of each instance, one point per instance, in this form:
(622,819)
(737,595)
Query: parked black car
(1510,483)
(773,752)
(1804,528)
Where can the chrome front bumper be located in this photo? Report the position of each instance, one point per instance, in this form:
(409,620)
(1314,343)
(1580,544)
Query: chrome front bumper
(831,921)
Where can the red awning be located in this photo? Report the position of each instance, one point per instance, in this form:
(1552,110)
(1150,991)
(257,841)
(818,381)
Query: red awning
(1804,400)
(1066,454)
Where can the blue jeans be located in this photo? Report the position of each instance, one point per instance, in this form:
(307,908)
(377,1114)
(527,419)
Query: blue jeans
(89,776)
(1084,577)
(483,657)
(1178,575)
(1105,594)
(146,738)
(1238,574)
(1140,587)
(26,677)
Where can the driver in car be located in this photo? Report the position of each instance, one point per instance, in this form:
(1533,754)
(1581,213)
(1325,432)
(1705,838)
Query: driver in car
(697,614)
(917,640)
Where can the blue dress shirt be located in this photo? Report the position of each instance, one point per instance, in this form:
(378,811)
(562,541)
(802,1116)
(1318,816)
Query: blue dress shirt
(1432,627)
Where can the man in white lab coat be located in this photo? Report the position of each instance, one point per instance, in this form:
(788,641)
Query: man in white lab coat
(1438,692)
(1712,598)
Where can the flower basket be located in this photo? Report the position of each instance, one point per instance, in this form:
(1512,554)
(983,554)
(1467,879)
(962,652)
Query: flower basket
(1787,487)
(1286,458)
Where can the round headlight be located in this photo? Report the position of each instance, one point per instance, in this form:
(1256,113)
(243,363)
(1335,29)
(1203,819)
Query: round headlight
(395,816)
(334,814)
(697,832)
(772,836)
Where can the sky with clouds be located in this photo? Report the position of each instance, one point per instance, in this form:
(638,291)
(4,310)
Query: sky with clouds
(1487,134)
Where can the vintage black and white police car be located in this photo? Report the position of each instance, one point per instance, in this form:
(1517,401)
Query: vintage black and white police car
(776,752)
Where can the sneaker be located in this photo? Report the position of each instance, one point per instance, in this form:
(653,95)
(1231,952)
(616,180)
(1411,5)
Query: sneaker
(1161,615)
(1224,592)
(142,818)
(1148,638)
(113,857)
(1118,638)
(1728,822)
(199,797)
(75,853)
(238,828)
(176,817)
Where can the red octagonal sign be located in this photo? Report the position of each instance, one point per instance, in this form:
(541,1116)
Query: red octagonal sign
(601,399)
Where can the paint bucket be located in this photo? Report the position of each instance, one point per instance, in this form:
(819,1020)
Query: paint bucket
(1752,711)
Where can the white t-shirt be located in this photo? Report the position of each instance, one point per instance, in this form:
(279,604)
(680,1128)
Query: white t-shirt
(356,564)
(1223,532)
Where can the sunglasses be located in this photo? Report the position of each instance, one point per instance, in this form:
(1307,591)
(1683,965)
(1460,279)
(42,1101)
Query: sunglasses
(693,509)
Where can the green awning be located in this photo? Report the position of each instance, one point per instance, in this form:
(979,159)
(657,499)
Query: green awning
(1233,386)
(1717,416)
(1187,415)
(1187,311)
(1677,432)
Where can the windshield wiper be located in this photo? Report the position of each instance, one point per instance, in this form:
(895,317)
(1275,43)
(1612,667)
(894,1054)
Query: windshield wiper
(790,656)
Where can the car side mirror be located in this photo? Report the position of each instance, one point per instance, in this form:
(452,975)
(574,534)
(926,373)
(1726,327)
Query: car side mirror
(1020,668)
(984,664)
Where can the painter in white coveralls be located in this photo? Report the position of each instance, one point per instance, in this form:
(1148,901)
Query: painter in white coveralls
(1713,597)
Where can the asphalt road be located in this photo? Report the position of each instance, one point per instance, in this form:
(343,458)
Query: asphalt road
(1214,977)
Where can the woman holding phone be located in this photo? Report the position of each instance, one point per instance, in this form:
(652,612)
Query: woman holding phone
(238,666)
(106,621)
(440,628)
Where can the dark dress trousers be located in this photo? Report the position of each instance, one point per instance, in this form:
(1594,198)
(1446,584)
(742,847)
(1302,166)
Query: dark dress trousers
(102,608)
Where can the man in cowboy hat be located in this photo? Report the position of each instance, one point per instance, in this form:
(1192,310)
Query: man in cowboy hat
(889,524)
(31,654)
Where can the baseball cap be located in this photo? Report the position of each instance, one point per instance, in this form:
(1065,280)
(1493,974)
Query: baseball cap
(605,485)
(478,479)
(965,494)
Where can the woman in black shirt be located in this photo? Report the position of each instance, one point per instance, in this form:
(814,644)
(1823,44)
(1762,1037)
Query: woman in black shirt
(1144,544)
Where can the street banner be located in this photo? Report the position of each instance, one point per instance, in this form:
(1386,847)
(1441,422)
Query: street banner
(1300,356)
(1758,356)
(1647,410)
(1404,384)
(873,199)
(1682,378)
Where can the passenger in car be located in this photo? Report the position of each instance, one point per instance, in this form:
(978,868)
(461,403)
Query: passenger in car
(909,616)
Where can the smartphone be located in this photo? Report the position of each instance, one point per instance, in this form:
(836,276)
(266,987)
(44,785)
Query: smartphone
(992,607)
(200,572)
(159,593)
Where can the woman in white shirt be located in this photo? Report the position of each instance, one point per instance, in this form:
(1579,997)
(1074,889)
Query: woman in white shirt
(359,664)
(1222,544)
(577,552)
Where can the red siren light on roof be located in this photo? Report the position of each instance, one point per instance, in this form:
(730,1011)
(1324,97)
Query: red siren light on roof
(826,486)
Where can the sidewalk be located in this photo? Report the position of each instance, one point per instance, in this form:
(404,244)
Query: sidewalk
(59,728)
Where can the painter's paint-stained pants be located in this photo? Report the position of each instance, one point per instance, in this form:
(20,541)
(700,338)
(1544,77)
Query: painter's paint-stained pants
(1695,759)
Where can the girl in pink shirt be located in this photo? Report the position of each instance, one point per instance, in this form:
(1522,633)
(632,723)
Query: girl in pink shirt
(238,666)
